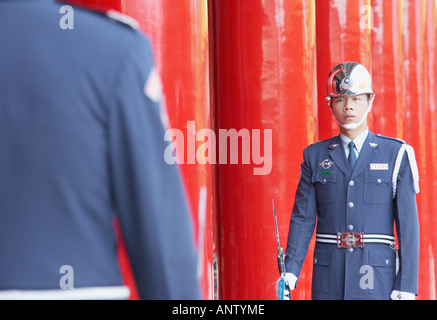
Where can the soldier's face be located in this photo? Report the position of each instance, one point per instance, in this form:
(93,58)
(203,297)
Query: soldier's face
(349,110)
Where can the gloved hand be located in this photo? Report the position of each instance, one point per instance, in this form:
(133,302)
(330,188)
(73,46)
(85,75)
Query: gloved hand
(290,280)
(401,295)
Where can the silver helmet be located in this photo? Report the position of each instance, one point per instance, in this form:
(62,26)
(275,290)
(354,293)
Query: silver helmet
(348,79)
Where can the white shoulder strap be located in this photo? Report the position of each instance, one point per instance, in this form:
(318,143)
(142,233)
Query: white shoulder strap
(123,18)
(413,165)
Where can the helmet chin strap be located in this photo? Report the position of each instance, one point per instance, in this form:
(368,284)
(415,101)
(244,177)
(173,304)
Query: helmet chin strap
(351,126)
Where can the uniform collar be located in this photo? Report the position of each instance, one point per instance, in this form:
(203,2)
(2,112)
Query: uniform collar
(358,141)
(367,153)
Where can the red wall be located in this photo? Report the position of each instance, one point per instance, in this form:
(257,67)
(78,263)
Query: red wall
(260,84)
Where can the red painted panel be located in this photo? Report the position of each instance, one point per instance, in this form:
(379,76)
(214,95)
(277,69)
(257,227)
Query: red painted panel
(343,34)
(428,130)
(264,72)
(418,44)
(387,64)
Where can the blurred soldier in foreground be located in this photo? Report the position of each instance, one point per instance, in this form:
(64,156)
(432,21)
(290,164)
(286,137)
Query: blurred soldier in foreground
(81,143)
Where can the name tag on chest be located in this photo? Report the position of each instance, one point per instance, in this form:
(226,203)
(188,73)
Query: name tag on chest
(379,166)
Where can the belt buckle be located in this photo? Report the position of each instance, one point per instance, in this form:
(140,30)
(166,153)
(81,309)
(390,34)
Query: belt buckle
(350,240)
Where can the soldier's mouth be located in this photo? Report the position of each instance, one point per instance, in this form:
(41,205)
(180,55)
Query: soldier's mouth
(349,117)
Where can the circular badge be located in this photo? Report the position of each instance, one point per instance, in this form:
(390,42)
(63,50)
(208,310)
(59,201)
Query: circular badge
(346,83)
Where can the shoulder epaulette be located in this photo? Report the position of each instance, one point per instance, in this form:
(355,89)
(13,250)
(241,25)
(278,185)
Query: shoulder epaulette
(324,141)
(123,18)
(390,138)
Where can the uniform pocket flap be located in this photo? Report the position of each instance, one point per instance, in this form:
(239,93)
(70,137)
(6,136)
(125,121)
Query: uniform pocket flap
(324,177)
(377,177)
(385,258)
(322,258)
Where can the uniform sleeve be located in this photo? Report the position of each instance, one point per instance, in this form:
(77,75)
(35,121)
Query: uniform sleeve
(407,226)
(148,193)
(303,220)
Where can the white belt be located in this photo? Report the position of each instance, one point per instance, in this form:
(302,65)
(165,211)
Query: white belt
(366,238)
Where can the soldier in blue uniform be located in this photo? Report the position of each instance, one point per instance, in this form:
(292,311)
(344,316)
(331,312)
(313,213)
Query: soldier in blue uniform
(81,143)
(354,188)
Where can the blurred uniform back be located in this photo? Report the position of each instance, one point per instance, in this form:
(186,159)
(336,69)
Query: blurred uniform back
(81,142)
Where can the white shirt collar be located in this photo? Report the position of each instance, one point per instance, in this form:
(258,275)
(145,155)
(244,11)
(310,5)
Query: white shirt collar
(359,141)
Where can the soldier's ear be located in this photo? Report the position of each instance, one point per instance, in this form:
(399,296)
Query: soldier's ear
(329,102)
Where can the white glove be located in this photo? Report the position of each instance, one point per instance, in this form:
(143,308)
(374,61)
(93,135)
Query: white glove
(290,279)
(401,295)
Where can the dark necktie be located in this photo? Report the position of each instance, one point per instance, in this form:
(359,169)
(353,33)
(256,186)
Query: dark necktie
(352,159)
